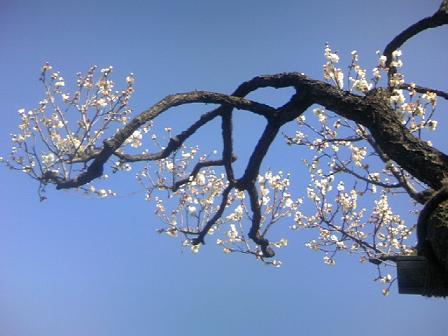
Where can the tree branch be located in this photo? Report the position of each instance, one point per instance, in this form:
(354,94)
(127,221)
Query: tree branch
(227,142)
(197,168)
(174,142)
(422,89)
(438,19)
(254,232)
(200,238)
(111,145)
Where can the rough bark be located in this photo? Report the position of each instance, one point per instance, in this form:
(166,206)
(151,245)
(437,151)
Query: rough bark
(438,233)
(437,253)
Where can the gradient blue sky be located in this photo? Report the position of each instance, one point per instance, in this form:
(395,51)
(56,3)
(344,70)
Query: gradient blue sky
(81,266)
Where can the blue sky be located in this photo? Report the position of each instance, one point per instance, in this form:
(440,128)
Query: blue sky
(75,265)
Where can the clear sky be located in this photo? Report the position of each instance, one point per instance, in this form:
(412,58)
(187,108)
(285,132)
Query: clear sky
(75,265)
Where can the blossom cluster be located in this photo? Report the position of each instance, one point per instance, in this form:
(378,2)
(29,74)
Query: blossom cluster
(444,6)
(331,72)
(343,152)
(192,203)
(66,128)
(360,81)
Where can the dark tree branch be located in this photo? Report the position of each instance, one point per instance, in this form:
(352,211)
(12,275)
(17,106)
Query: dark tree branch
(200,238)
(373,111)
(258,154)
(254,232)
(297,105)
(422,89)
(342,168)
(175,142)
(438,19)
(186,98)
(197,168)
(402,180)
(111,145)
(227,141)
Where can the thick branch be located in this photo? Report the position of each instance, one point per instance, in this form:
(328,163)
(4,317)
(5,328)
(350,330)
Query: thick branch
(372,111)
(424,162)
(402,180)
(255,160)
(254,232)
(187,98)
(227,141)
(438,19)
(95,169)
(297,105)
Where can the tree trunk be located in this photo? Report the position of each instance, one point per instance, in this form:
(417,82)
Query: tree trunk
(437,237)
(437,233)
